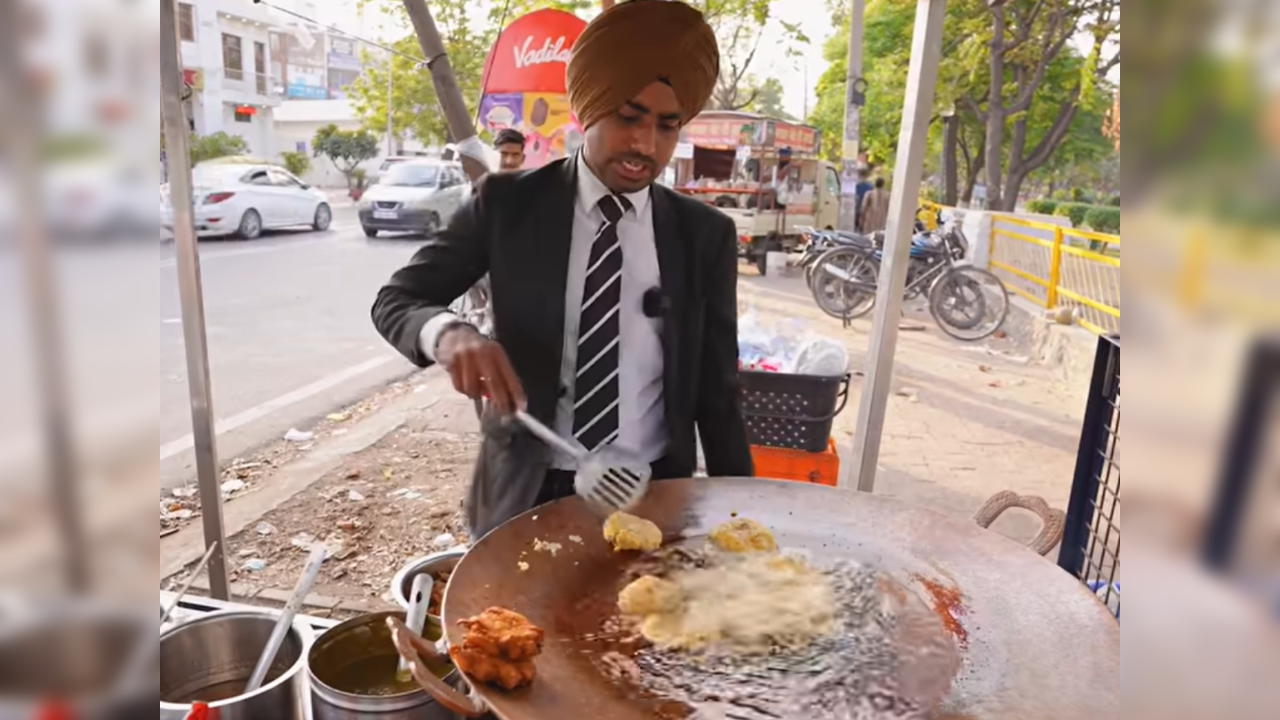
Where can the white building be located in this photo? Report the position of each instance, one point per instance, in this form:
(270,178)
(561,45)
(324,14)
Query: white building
(226,58)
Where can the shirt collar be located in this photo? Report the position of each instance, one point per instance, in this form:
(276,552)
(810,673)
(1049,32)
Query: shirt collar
(591,190)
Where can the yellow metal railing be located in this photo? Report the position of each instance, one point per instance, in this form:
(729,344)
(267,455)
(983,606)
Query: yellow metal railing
(1055,266)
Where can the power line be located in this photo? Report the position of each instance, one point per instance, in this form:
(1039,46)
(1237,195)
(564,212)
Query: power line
(420,63)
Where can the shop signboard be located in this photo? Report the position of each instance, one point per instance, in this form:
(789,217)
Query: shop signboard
(524,84)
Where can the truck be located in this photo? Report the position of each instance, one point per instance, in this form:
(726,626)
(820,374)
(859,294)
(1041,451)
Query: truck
(762,172)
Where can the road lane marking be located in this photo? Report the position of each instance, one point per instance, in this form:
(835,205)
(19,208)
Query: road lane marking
(258,412)
(172,321)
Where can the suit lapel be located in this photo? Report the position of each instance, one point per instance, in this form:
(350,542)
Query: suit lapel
(549,272)
(673,267)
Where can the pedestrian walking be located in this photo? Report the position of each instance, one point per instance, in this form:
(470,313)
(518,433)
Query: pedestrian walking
(875,209)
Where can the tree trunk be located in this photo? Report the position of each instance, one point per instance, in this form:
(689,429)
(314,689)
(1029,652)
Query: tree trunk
(971,178)
(995,108)
(452,104)
(950,158)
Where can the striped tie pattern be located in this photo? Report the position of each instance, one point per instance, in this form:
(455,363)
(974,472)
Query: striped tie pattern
(595,409)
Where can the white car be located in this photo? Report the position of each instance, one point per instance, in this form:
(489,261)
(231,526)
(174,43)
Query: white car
(98,199)
(418,196)
(245,199)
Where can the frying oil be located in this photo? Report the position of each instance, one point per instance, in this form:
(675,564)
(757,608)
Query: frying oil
(376,676)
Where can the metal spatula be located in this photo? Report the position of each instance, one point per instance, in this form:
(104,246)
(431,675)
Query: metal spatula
(609,478)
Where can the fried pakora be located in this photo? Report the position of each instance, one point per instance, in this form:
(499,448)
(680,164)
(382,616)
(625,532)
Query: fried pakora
(628,532)
(649,595)
(741,535)
(502,633)
(499,647)
(508,674)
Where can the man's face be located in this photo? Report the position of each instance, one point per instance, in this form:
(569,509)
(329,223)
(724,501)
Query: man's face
(629,148)
(510,156)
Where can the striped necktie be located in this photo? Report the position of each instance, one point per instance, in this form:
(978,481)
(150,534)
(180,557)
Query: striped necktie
(595,408)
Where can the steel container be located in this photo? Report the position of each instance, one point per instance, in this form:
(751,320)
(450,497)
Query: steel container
(213,657)
(402,583)
(73,652)
(357,639)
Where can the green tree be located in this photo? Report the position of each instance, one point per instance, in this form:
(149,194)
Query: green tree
(1030,63)
(345,148)
(215,145)
(296,162)
(768,100)
(739,27)
(1043,81)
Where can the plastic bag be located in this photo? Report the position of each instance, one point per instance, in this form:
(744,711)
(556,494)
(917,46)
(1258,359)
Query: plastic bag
(821,356)
(767,349)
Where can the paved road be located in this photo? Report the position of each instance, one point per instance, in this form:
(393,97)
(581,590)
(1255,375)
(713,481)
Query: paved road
(289,334)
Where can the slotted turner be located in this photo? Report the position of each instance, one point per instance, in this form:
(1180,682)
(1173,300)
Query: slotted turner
(608,478)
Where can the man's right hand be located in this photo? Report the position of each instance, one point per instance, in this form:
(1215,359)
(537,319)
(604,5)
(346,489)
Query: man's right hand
(479,368)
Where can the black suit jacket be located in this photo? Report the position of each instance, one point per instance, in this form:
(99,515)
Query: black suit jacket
(517,228)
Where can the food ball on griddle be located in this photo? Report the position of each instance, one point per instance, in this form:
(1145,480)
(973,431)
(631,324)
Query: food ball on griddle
(649,595)
(742,535)
(628,532)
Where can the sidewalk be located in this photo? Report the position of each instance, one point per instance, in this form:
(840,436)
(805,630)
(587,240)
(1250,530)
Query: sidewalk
(338,197)
(964,422)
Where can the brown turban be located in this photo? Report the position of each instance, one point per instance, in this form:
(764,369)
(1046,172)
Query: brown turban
(634,43)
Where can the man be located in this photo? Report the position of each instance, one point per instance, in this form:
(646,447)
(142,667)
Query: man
(510,146)
(860,193)
(874,214)
(614,299)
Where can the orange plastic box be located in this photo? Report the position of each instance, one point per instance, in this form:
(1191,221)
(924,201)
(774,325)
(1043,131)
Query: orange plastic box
(781,464)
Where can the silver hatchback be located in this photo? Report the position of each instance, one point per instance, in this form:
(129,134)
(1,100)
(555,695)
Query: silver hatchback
(416,196)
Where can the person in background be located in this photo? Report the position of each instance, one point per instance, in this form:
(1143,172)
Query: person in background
(874,213)
(614,299)
(860,193)
(510,146)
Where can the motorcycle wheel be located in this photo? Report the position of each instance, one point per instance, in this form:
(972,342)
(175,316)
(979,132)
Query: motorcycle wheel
(969,303)
(836,296)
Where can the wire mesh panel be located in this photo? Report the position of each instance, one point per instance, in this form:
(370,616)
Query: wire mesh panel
(1091,541)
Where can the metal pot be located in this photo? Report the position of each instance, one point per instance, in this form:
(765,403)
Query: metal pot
(402,583)
(72,651)
(213,657)
(334,661)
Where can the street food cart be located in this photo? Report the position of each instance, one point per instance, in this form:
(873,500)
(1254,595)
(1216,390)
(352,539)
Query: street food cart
(1007,611)
(762,172)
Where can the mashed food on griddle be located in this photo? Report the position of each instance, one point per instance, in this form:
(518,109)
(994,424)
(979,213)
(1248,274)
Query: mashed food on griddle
(741,535)
(742,601)
(649,595)
(628,532)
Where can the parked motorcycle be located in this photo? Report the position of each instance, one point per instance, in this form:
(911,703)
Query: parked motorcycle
(968,303)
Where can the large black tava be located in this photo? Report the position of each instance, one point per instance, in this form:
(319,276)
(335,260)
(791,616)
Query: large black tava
(1034,643)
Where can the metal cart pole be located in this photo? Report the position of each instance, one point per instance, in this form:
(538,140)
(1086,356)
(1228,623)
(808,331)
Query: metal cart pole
(917,108)
(19,117)
(191,296)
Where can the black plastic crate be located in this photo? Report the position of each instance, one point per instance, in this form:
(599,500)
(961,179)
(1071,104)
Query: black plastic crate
(785,410)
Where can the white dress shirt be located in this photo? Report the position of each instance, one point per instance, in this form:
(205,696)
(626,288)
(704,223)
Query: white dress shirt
(642,425)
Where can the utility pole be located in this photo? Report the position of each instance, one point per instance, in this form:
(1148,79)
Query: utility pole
(855,96)
(461,126)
